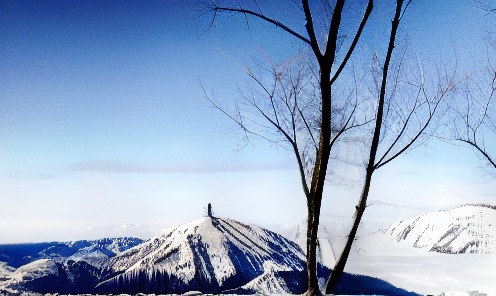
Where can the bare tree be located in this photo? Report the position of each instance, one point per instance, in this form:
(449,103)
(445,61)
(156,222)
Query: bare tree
(407,101)
(472,122)
(285,109)
(474,109)
(299,109)
(321,135)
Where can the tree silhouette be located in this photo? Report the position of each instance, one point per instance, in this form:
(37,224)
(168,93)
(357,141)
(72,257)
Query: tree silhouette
(321,134)
(295,108)
(474,121)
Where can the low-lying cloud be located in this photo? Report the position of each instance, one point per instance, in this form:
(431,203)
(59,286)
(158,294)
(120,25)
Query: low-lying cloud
(194,167)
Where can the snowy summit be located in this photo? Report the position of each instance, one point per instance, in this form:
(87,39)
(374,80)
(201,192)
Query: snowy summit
(465,229)
(218,253)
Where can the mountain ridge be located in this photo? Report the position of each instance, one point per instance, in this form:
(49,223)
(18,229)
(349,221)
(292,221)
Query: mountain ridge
(467,228)
(220,253)
(210,255)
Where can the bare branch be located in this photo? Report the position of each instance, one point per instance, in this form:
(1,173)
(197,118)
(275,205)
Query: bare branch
(311,31)
(272,21)
(368,10)
(295,149)
(330,51)
(431,115)
(482,151)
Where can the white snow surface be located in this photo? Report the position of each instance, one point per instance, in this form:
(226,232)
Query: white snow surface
(464,229)
(400,258)
(407,263)
(5,270)
(268,283)
(174,251)
(94,258)
(428,273)
(400,254)
(47,266)
(36,269)
(332,230)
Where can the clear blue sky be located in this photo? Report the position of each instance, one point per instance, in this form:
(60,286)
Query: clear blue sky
(103,119)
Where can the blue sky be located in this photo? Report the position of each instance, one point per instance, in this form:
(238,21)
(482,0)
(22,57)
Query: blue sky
(103,120)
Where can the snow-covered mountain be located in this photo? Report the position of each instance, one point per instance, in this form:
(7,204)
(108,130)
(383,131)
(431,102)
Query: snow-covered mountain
(469,228)
(210,255)
(16,255)
(64,267)
(96,252)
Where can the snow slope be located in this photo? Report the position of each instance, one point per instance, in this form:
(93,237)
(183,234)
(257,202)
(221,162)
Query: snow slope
(427,273)
(464,229)
(16,255)
(215,255)
(70,267)
(449,251)
(209,255)
(269,282)
(29,273)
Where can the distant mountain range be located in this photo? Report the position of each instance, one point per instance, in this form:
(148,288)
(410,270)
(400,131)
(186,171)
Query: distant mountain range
(468,228)
(65,267)
(16,255)
(211,255)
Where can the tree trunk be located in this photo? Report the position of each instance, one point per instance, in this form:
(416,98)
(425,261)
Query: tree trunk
(312,229)
(338,270)
(314,198)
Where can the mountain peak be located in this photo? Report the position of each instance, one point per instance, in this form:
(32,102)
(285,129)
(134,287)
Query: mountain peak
(220,253)
(469,228)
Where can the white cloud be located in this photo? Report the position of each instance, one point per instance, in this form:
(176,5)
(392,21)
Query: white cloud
(192,167)
(82,205)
